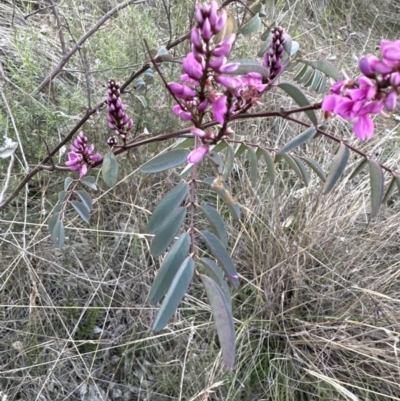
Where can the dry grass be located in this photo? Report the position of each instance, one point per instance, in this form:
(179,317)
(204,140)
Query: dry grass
(317,314)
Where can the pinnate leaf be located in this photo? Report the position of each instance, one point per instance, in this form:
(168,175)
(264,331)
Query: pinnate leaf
(216,223)
(337,168)
(223,320)
(175,294)
(300,98)
(299,140)
(324,66)
(167,204)
(169,268)
(222,255)
(376,181)
(167,232)
(165,161)
(109,169)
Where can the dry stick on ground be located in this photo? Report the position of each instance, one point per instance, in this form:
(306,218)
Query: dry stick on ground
(86,36)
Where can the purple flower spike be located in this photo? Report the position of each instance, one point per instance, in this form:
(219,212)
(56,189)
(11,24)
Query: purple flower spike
(81,156)
(117,119)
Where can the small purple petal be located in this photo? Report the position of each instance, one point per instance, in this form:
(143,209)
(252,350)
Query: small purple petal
(196,155)
(363,128)
(391,101)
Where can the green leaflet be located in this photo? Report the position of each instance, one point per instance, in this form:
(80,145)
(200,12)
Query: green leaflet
(251,26)
(223,320)
(376,182)
(169,268)
(315,167)
(82,210)
(253,162)
(337,167)
(167,232)
(85,198)
(175,294)
(300,98)
(216,223)
(89,181)
(215,272)
(57,234)
(222,255)
(166,205)
(165,161)
(109,169)
(299,140)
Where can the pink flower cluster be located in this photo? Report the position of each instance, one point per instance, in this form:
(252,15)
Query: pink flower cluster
(117,119)
(206,66)
(376,89)
(81,156)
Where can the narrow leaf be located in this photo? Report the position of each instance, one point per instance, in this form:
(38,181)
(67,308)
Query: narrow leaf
(300,73)
(293,165)
(228,166)
(169,268)
(58,234)
(300,98)
(324,66)
(68,181)
(216,160)
(167,204)
(223,320)
(89,181)
(306,76)
(85,198)
(61,196)
(167,232)
(247,66)
(53,220)
(165,161)
(164,55)
(240,150)
(316,80)
(216,223)
(220,146)
(315,167)
(175,294)
(389,191)
(266,35)
(299,140)
(109,169)
(303,170)
(82,210)
(251,26)
(270,165)
(184,143)
(322,84)
(251,154)
(376,181)
(222,255)
(215,272)
(337,168)
(360,166)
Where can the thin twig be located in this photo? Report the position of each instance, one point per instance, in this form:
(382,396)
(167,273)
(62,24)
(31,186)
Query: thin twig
(86,36)
(7,180)
(37,11)
(59,27)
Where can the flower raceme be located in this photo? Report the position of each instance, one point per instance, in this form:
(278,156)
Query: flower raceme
(81,156)
(375,90)
(207,65)
(117,119)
